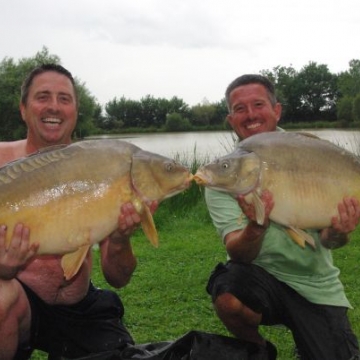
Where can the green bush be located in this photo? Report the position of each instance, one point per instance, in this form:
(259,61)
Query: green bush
(175,122)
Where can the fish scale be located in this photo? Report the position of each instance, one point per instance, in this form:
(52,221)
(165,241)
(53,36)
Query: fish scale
(70,196)
(308,177)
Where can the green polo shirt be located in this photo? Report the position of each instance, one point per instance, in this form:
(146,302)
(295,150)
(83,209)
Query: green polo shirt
(310,272)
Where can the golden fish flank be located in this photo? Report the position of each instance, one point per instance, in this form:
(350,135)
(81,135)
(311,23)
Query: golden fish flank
(307,176)
(70,196)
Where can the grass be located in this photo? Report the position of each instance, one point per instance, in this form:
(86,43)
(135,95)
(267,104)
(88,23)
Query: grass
(166,297)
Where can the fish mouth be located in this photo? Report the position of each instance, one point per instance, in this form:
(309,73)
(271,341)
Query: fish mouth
(200,179)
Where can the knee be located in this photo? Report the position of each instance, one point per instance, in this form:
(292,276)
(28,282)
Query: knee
(227,304)
(230,307)
(10,299)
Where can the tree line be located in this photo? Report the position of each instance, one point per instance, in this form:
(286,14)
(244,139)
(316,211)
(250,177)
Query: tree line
(309,95)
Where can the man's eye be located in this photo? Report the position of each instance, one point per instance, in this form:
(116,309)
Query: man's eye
(65,99)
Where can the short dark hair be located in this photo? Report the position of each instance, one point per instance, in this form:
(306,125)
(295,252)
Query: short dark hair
(25,87)
(251,79)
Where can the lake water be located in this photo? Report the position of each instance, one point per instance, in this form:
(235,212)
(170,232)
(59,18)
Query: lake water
(217,143)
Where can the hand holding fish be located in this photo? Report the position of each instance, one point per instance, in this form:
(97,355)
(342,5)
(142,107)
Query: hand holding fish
(118,260)
(250,210)
(349,217)
(129,220)
(17,253)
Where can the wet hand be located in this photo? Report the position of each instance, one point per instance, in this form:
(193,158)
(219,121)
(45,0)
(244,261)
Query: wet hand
(249,209)
(17,253)
(349,216)
(129,219)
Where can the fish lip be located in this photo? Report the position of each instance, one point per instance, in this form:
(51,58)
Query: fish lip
(200,179)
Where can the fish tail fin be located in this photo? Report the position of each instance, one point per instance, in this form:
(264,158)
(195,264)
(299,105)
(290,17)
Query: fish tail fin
(71,262)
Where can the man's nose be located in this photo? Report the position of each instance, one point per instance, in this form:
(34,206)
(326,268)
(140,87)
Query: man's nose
(53,104)
(250,112)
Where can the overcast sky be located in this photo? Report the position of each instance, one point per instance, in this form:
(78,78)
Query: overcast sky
(190,49)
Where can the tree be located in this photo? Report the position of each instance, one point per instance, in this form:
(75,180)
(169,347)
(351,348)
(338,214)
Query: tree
(203,115)
(175,122)
(122,111)
(318,91)
(356,108)
(87,108)
(345,108)
(287,91)
(349,81)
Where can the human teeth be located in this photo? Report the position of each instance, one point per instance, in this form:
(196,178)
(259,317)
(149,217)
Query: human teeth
(253,126)
(52,120)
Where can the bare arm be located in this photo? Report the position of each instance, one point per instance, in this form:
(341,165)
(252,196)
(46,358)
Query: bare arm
(244,245)
(117,258)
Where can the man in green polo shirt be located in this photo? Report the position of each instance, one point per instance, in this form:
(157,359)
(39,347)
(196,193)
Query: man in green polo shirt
(268,280)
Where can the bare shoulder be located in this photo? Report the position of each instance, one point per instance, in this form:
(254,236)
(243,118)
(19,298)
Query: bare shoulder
(11,150)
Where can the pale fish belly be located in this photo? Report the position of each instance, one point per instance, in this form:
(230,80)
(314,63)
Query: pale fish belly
(304,201)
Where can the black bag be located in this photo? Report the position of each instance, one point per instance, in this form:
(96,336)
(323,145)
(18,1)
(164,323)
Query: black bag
(194,345)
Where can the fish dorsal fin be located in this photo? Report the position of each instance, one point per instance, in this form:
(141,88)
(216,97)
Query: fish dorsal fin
(43,157)
(148,226)
(310,135)
(300,237)
(71,262)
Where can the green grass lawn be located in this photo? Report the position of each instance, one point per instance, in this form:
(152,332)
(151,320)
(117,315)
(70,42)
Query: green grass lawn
(166,297)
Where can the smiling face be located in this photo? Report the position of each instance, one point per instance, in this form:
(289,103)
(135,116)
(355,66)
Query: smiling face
(50,111)
(251,110)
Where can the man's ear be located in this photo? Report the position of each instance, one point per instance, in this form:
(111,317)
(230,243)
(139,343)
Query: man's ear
(229,119)
(278,110)
(22,111)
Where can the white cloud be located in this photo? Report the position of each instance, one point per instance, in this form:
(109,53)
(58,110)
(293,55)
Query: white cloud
(189,48)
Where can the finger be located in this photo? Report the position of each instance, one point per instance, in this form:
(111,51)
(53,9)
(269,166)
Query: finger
(153,206)
(2,236)
(16,237)
(32,250)
(25,239)
(353,208)
(132,215)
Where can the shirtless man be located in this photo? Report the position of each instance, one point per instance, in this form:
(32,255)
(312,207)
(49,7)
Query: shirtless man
(38,308)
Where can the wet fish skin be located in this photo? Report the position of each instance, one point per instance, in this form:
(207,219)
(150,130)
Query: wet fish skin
(307,176)
(70,196)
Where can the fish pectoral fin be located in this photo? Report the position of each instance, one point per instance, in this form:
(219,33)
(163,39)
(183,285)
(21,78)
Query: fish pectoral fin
(148,226)
(259,208)
(71,262)
(300,237)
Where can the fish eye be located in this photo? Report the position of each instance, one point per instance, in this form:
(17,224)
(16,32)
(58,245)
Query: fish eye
(225,165)
(169,167)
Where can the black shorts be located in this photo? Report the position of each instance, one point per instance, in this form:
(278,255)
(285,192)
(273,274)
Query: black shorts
(321,332)
(93,325)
